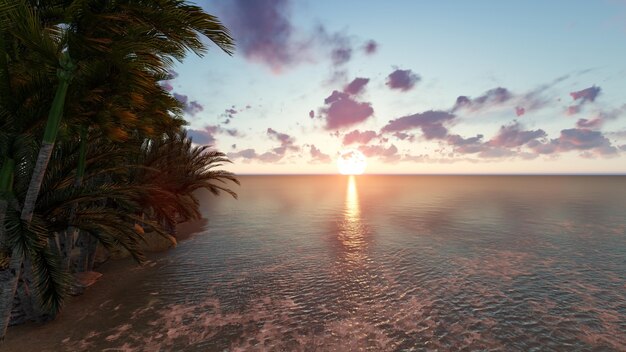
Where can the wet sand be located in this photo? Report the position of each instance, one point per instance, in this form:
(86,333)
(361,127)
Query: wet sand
(119,276)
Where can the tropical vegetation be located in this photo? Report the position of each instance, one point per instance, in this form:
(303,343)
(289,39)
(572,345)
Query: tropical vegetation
(93,149)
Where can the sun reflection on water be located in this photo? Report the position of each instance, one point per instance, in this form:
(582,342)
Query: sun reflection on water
(352,232)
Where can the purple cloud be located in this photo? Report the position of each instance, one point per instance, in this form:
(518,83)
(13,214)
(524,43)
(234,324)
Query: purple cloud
(430,122)
(356,86)
(205,136)
(343,111)
(404,136)
(287,142)
(370,47)
(572,139)
(519,111)
(191,108)
(490,98)
(243,154)
(403,80)
(166,85)
(587,94)
(590,123)
(513,135)
(317,156)
(357,136)
(251,155)
(389,154)
(263,31)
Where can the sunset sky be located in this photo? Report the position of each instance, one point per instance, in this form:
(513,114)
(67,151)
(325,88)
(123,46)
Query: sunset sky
(417,86)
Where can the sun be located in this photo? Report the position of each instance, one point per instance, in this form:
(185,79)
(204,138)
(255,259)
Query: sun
(351,162)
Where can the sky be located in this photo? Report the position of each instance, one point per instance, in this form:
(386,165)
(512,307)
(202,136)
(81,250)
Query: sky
(419,87)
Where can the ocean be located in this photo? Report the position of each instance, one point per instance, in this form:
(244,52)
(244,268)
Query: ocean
(373,263)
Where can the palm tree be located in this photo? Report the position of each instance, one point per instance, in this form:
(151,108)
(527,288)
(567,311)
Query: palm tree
(174,169)
(121,59)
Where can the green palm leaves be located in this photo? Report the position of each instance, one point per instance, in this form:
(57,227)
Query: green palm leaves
(90,142)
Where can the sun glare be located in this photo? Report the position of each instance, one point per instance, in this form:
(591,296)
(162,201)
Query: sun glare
(351,162)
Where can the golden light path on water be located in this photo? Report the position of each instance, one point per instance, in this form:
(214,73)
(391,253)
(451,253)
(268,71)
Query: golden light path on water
(352,234)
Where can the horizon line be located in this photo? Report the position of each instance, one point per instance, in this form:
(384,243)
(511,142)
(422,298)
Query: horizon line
(436,174)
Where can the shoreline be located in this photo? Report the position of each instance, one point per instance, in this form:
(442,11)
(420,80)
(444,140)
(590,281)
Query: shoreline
(118,275)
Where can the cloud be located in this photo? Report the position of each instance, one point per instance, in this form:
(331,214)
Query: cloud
(576,139)
(342,111)
(519,111)
(589,123)
(251,155)
(317,156)
(430,122)
(404,136)
(389,154)
(490,98)
(263,32)
(191,108)
(370,47)
(206,136)
(356,86)
(586,95)
(583,96)
(311,114)
(243,154)
(513,135)
(167,86)
(357,136)
(287,142)
(341,54)
(403,80)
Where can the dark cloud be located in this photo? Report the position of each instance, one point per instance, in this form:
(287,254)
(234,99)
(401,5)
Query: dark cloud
(342,110)
(341,55)
(466,145)
(586,95)
(430,122)
(589,123)
(490,98)
(403,80)
(191,108)
(263,31)
(582,97)
(287,142)
(317,156)
(357,136)
(513,135)
(356,86)
(576,139)
(167,86)
(206,136)
(370,47)
(404,136)
(171,74)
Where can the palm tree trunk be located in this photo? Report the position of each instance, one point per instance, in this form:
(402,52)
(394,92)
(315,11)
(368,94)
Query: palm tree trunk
(8,276)
(6,185)
(82,237)
(49,138)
